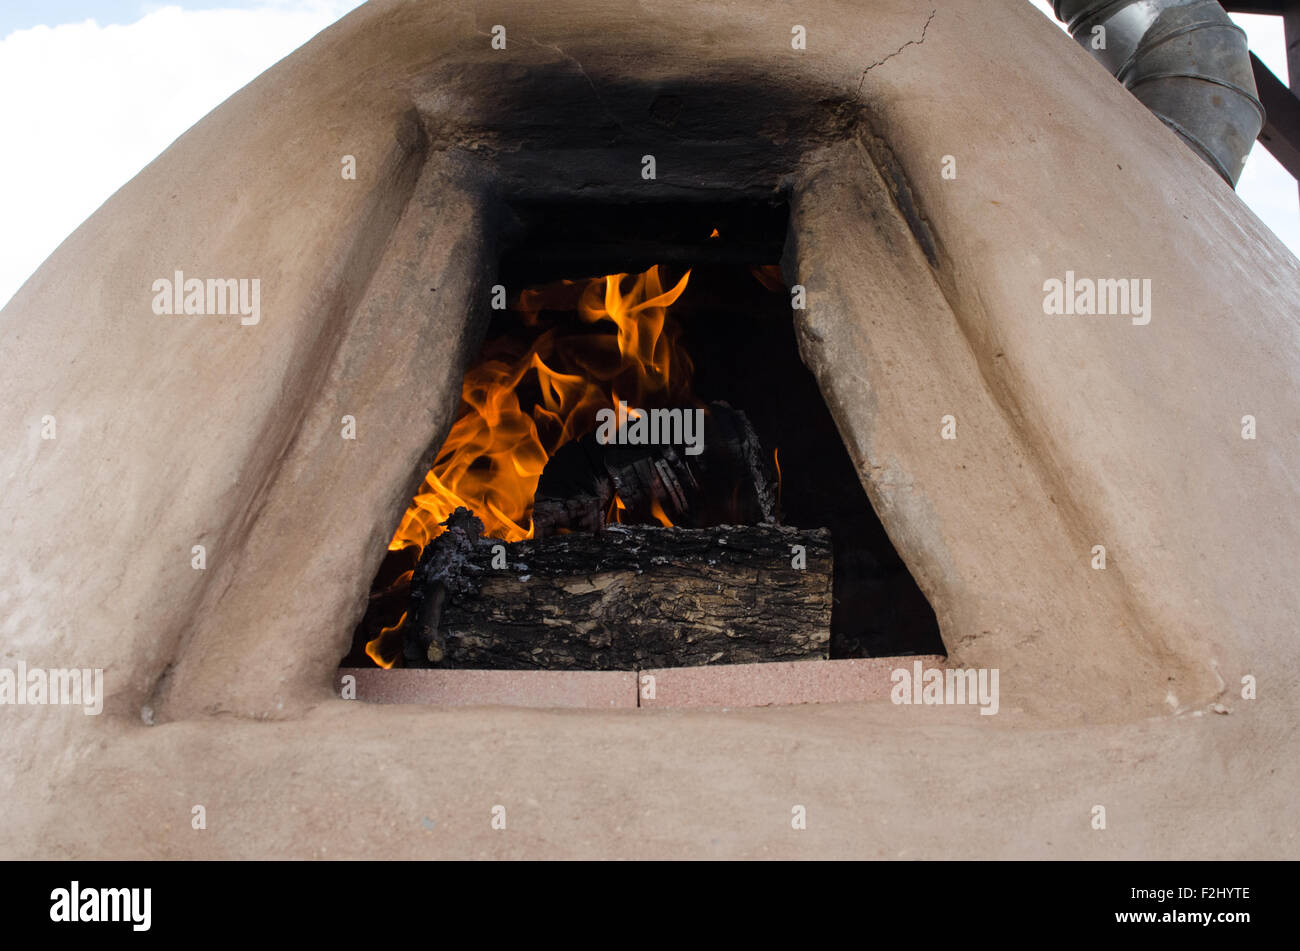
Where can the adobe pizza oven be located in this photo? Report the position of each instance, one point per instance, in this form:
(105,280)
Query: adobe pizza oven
(704,342)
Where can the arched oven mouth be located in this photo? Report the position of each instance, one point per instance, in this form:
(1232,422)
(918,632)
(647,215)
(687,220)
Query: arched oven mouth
(642,473)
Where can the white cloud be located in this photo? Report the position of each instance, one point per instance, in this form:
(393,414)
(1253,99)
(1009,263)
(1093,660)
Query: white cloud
(87,107)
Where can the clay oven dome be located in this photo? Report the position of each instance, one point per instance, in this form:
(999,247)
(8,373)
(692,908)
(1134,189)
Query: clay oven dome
(925,300)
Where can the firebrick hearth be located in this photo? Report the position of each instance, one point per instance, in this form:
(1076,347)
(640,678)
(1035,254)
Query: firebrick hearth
(642,473)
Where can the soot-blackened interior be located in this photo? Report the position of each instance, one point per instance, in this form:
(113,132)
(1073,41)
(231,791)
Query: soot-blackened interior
(737,326)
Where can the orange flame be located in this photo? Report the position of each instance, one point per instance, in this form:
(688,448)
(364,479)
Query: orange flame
(493,457)
(776,458)
(616,510)
(373,648)
(660,515)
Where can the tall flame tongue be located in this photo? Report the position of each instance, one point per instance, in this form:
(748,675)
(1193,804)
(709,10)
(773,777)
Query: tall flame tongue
(494,455)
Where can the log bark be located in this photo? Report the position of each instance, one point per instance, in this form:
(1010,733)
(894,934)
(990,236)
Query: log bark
(635,597)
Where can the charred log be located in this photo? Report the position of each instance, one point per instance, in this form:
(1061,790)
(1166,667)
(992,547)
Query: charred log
(445,568)
(727,483)
(629,597)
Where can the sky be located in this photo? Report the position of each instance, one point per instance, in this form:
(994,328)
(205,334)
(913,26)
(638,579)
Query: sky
(94,90)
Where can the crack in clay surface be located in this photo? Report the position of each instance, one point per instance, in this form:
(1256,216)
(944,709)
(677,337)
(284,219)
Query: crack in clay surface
(880,62)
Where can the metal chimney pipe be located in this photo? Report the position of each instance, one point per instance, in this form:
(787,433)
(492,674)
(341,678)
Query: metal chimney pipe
(1186,61)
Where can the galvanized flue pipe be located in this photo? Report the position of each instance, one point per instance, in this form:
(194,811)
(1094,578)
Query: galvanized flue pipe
(1186,61)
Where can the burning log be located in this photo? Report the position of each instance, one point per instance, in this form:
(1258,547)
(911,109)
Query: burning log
(628,597)
(574,595)
(445,568)
(587,484)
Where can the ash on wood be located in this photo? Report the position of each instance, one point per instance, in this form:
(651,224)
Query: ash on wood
(629,597)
